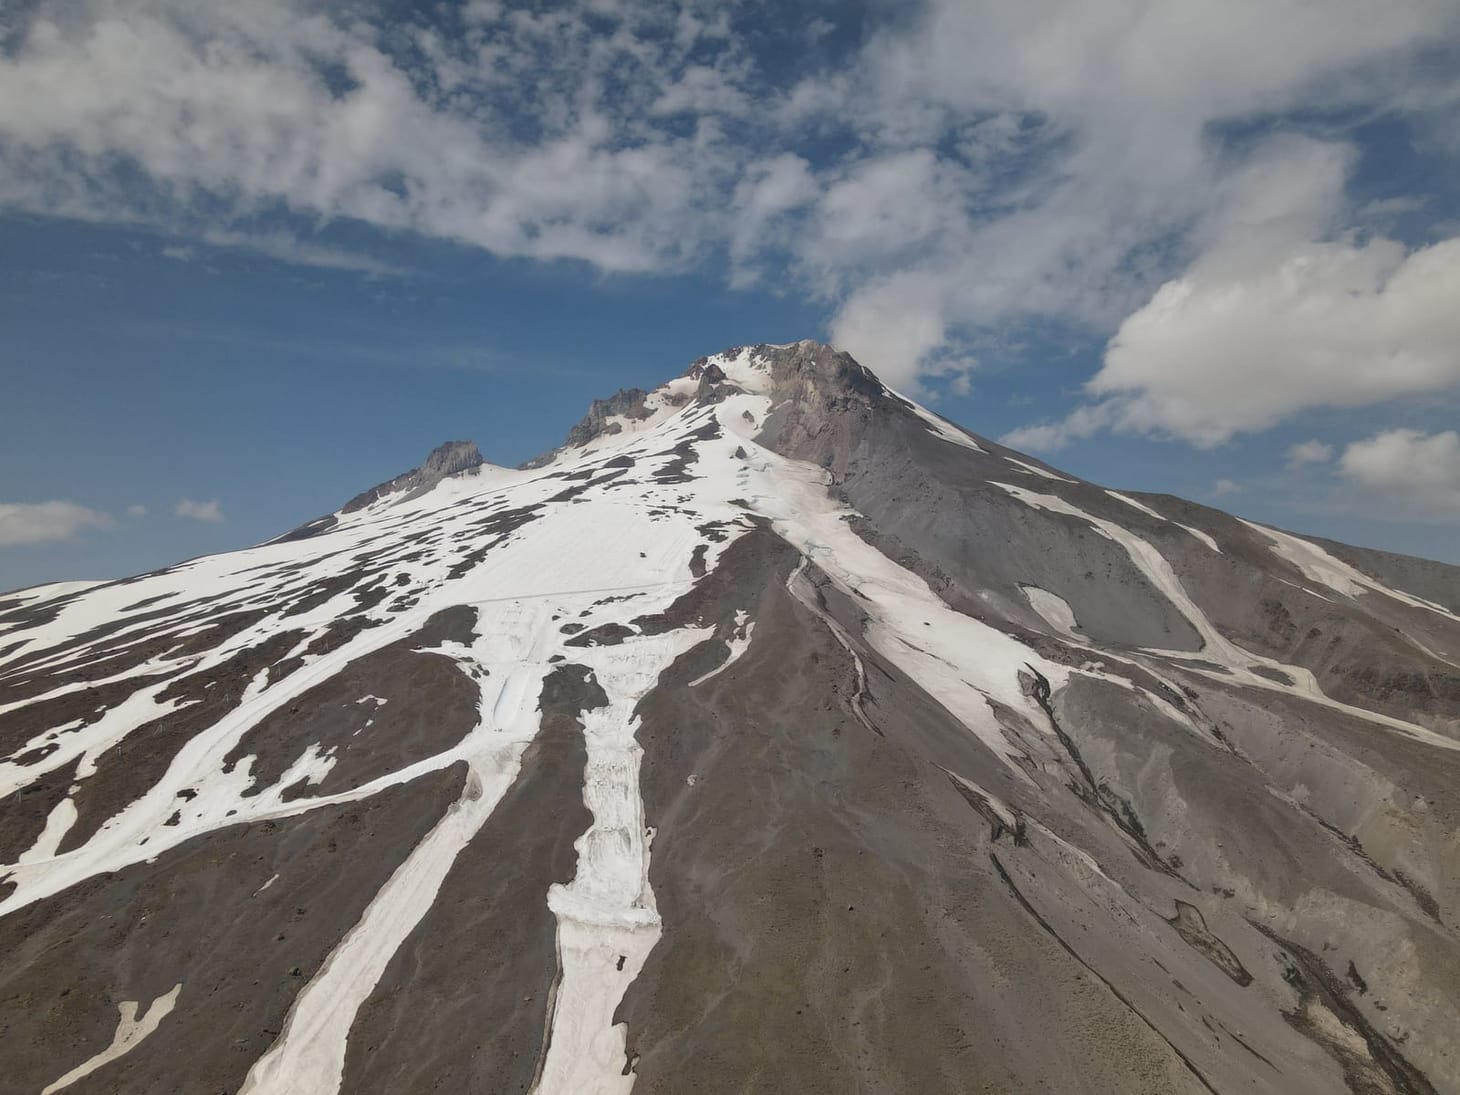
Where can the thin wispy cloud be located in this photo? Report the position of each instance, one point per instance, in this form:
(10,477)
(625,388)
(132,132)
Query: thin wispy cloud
(210,511)
(46,522)
(1308,453)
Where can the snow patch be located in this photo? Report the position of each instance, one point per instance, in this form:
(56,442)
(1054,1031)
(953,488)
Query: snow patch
(1043,473)
(1052,608)
(941,428)
(1238,663)
(1203,537)
(1147,510)
(1319,566)
(738,642)
(131,1029)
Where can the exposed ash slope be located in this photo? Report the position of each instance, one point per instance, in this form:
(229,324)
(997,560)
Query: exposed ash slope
(771,734)
(985,524)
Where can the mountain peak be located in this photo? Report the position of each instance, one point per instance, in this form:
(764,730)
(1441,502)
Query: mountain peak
(788,370)
(812,375)
(842,689)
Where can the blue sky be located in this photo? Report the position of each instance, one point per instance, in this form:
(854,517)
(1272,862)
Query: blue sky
(255,260)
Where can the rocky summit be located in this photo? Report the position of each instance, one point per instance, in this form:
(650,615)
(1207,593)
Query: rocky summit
(773,735)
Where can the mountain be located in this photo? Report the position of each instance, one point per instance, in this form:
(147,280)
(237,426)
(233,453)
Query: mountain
(773,735)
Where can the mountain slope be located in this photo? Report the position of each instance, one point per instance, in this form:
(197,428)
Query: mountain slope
(774,734)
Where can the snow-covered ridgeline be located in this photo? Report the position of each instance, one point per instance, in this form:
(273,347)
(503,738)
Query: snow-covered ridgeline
(1140,507)
(564,551)
(1030,469)
(607,919)
(601,541)
(562,567)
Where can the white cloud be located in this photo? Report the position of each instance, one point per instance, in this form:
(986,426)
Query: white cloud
(1223,487)
(1421,468)
(136,510)
(1271,320)
(1080,423)
(210,511)
(1305,453)
(992,162)
(40,522)
(286,247)
(1111,175)
(882,208)
(1321,325)
(767,192)
(896,323)
(524,133)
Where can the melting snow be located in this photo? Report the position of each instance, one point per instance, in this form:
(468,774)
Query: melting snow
(1319,566)
(1043,473)
(738,642)
(131,1029)
(1147,510)
(1204,538)
(1239,663)
(1053,609)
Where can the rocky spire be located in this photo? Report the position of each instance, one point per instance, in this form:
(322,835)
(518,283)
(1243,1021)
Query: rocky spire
(452,458)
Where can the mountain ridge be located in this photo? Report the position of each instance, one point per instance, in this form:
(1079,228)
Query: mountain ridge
(783,734)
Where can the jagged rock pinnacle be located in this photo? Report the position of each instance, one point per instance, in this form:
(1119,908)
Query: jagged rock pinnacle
(452,458)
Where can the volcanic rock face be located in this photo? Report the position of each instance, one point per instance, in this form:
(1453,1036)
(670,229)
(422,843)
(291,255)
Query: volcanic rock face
(773,735)
(605,416)
(446,460)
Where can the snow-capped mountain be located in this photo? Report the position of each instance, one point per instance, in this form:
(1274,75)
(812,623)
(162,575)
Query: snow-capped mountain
(773,735)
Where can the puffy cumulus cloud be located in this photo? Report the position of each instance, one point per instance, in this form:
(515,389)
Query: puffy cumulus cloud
(1306,453)
(1272,319)
(1241,347)
(1080,423)
(895,323)
(210,511)
(1081,136)
(970,164)
(1420,468)
(40,522)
